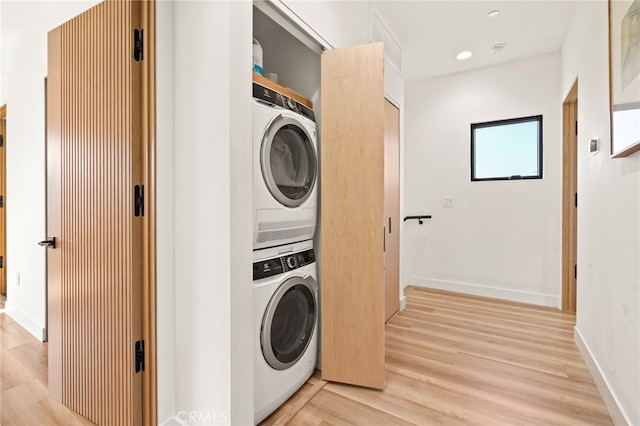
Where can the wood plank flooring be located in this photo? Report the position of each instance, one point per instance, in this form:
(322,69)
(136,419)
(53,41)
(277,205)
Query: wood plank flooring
(24,398)
(451,359)
(455,359)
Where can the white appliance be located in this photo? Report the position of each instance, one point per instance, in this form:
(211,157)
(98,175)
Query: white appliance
(285,315)
(285,169)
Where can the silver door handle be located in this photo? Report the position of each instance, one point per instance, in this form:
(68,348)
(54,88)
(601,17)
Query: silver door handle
(51,242)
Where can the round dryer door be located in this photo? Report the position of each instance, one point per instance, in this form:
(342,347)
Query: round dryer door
(288,160)
(289,322)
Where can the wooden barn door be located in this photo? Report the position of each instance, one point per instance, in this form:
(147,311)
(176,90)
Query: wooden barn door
(95,185)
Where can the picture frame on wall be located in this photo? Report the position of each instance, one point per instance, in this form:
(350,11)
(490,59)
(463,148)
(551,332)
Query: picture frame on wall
(624,76)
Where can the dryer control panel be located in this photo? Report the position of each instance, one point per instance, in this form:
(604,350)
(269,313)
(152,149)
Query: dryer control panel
(279,265)
(271,97)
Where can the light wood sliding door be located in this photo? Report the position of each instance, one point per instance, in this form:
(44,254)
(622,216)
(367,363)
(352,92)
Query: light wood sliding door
(99,172)
(352,176)
(391,209)
(3,192)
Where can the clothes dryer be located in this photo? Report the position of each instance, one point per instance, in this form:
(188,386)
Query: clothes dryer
(285,169)
(285,308)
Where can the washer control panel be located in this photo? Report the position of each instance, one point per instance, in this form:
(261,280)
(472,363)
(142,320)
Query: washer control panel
(271,97)
(278,265)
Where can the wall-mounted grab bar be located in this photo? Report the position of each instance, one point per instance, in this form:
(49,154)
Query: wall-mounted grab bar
(428,216)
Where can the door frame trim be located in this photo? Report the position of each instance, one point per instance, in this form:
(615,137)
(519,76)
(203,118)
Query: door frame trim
(149,313)
(3,192)
(569,189)
(389,214)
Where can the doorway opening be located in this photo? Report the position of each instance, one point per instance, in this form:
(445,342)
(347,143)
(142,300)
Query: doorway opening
(100,214)
(570,199)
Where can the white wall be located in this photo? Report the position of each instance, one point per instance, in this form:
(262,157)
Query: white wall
(2,70)
(24,47)
(281,50)
(165,271)
(242,344)
(212,231)
(341,23)
(608,306)
(501,238)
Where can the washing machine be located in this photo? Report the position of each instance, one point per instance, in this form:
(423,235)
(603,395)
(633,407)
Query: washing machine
(285,308)
(285,169)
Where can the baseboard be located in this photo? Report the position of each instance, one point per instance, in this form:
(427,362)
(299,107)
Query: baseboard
(403,303)
(25,321)
(612,403)
(487,291)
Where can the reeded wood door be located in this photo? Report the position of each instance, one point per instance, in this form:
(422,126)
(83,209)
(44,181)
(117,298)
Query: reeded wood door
(93,162)
(352,177)
(391,209)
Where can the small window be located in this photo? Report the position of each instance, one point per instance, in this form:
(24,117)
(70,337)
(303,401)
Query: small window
(507,149)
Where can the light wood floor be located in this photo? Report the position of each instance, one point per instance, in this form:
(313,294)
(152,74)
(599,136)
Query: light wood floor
(24,397)
(454,359)
(450,360)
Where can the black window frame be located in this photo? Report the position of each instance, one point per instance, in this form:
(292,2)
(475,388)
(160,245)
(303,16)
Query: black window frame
(496,123)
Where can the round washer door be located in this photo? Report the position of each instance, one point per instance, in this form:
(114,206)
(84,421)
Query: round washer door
(288,160)
(289,322)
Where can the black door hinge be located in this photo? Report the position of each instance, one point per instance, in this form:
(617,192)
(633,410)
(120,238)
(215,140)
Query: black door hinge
(575,199)
(1,141)
(1,262)
(138,44)
(575,272)
(138,200)
(576,127)
(1,201)
(139,356)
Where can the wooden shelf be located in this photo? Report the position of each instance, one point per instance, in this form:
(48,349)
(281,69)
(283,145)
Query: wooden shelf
(257,78)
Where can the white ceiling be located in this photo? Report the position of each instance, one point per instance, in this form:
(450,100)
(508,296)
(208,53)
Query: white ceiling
(431,33)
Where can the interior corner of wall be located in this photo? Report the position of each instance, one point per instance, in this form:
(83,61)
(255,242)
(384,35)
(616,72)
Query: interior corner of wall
(25,321)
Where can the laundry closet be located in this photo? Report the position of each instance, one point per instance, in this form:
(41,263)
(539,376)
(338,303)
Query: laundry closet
(356,242)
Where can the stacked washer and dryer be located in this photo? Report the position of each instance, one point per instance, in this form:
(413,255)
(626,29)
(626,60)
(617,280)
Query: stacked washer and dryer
(285,288)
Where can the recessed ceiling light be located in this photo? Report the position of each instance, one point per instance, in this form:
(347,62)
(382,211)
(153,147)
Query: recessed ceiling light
(493,13)
(465,54)
(498,48)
